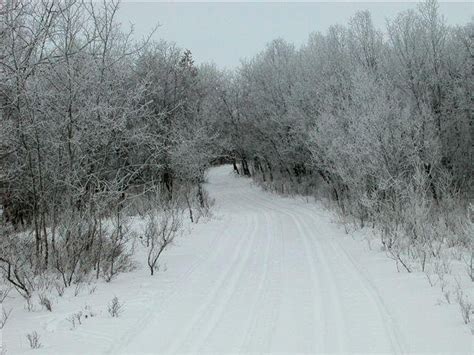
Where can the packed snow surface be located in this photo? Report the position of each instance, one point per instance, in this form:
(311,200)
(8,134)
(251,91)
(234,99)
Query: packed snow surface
(267,274)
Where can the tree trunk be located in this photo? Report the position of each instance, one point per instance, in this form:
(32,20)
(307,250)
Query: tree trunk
(236,169)
(245,167)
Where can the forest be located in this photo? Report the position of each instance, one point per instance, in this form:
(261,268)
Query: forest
(96,126)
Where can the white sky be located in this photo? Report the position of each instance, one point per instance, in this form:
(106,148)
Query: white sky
(224,32)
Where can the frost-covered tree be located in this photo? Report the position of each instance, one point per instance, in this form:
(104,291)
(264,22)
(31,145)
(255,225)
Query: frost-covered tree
(381,119)
(88,118)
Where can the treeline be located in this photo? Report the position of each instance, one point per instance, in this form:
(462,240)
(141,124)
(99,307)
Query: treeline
(91,119)
(95,126)
(382,119)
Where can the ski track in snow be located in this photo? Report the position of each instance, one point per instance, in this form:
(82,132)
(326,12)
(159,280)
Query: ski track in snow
(267,275)
(276,281)
(156,306)
(341,258)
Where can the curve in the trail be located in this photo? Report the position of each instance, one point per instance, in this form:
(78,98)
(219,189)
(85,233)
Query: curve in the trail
(274,278)
(315,240)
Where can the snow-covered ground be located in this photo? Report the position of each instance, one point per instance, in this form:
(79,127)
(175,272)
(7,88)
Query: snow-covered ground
(266,274)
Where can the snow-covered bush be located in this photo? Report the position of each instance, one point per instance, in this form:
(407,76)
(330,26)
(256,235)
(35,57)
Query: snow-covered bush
(4,292)
(45,302)
(466,307)
(59,288)
(4,317)
(115,308)
(161,228)
(75,319)
(33,340)
(16,262)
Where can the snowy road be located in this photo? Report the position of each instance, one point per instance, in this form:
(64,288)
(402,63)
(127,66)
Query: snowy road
(274,275)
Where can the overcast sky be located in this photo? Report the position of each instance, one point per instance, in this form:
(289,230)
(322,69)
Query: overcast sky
(223,33)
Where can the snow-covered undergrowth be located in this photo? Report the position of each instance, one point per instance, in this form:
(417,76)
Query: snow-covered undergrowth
(435,243)
(54,313)
(421,237)
(86,259)
(266,274)
(448,272)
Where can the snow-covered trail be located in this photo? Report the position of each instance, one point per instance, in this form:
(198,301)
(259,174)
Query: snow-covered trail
(277,276)
(267,274)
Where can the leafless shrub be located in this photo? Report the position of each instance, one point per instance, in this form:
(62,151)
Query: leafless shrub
(195,199)
(469,262)
(75,319)
(84,245)
(75,253)
(77,289)
(4,317)
(445,289)
(117,249)
(447,295)
(466,307)
(442,265)
(398,252)
(45,302)
(115,308)
(16,262)
(160,231)
(44,282)
(92,289)
(431,278)
(59,288)
(72,320)
(205,203)
(33,340)
(78,316)
(4,291)
(29,306)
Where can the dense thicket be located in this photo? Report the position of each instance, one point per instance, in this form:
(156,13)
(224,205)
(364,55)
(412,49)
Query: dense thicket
(384,119)
(90,120)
